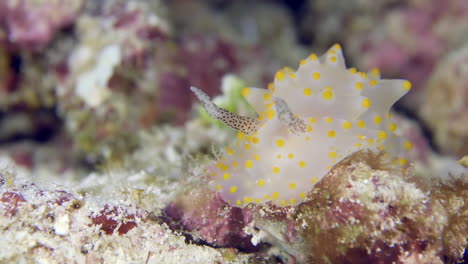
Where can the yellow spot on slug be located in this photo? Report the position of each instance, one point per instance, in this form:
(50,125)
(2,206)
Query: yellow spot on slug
(307,91)
(226,176)
(240,135)
(352,70)
(229,151)
(280,75)
(347,125)
(238,202)
(358,86)
(247,146)
(314,180)
(275,195)
(290,155)
(255,140)
(245,92)
(303,62)
(366,102)
(408,145)
(377,119)
(258,200)
(332,154)
(402,161)
(233,189)
(248,164)
(222,166)
(219,187)
(316,75)
(283,202)
(312,120)
(256,157)
(382,135)
(276,169)
(313,57)
(271,114)
(407,85)
(267,97)
(292,186)
(328,94)
(302,195)
(361,124)
(373,82)
(292,201)
(329,120)
(333,58)
(235,164)
(280,143)
(261,183)
(309,128)
(302,164)
(375,72)
(292,76)
(331,134)
(279,156)
(271,87)
(336,46)
(392,127)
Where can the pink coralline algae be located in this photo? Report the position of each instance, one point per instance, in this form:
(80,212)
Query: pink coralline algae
(10,202)
(206,215)
(32,24)
(110,219)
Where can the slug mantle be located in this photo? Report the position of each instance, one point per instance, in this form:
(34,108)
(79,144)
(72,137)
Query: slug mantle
(308,121)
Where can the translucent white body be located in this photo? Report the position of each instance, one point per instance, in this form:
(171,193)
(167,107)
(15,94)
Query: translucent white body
(327,113)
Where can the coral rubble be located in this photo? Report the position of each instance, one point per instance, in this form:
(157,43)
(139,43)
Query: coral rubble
(55,224)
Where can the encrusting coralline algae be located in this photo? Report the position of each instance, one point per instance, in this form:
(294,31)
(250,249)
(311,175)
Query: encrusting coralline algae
(308,121)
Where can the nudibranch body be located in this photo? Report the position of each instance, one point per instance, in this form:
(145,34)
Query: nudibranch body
(308,121)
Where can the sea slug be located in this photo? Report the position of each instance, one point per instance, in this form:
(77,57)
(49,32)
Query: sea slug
(308,121)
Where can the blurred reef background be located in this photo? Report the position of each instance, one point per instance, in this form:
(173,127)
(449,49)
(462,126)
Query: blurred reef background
(103,147)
